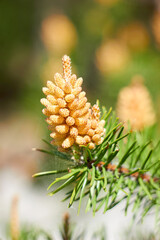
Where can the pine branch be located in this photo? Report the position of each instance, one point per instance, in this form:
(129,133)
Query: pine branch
(122,168)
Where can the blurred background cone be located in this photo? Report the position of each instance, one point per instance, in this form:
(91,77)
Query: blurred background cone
(111,56)
(135,36)
(58,34)
(135,105)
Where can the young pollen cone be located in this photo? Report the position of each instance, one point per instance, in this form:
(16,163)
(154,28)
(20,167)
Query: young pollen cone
(69,115)
(135,105)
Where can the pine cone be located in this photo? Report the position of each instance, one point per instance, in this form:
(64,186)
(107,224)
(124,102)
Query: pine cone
(70,117)
(135,105)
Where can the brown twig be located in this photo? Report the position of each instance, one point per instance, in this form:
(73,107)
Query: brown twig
(112,167)
(66,227)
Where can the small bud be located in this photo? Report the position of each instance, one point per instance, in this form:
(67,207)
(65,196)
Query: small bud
(82,102)
(57,135)
(80,140)
(91,145)
(62,129)
(73,79)
(54,109)
(51,86)
(82,95)
(96,137)
(78,82)
(56,119)
(81,112)
(99,130)
(58,92)
(99,142)
(84,129)
(76,91)
(46,90)
(87,139)
(95,112)
(81,121)
(68,142)
(49,121)
(70,121)
(102,123)
(61,102)
(52,99)
(74,104)
(94,124)
(74,132)
(46,112)
(91,132)
(69,97)
(68,87)
(45,102)
(64,112)
(60,82)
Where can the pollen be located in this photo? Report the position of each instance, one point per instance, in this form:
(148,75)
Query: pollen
(70,116)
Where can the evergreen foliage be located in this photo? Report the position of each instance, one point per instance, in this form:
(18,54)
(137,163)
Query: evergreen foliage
(124,167)
(31,233)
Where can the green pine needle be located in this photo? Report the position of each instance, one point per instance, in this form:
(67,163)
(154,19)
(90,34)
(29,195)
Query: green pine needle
(125,167)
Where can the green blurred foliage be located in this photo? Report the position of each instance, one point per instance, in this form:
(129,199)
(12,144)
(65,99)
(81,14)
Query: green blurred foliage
(16,47)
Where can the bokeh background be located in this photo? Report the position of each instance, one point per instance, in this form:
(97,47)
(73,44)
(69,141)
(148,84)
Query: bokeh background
(109,42)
